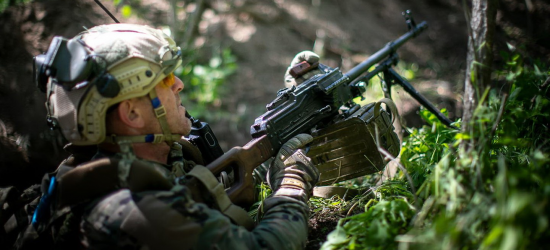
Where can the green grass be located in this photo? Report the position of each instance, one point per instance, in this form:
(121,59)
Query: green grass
(493,194)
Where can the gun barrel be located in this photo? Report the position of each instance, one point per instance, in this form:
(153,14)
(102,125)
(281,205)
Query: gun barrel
(387,50)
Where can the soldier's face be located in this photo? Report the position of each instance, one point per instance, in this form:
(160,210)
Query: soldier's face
(175,111)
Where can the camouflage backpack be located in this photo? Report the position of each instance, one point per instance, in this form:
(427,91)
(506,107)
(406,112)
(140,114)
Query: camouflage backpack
(16,212)
(22,225)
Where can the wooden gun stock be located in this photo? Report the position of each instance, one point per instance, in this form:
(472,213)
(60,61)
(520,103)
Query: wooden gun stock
(243,160)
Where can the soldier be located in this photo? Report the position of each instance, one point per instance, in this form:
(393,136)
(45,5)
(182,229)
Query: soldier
(113,86)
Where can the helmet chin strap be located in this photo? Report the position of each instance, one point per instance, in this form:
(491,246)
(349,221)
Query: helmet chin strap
(160,113)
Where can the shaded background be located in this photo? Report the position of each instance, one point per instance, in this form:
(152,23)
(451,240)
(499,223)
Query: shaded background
(262,37)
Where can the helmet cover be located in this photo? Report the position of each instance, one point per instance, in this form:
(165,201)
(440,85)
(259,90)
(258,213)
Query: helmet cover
(137,56)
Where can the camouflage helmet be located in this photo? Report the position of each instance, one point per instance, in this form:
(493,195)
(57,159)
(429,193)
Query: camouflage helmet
(99,68)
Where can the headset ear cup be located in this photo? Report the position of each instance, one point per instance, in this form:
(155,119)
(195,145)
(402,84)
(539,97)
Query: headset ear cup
(107,86)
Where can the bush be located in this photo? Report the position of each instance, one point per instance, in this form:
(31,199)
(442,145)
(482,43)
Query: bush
(487,188)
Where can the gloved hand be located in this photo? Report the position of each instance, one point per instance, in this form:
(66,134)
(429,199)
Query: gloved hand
(308,56)
(291,173)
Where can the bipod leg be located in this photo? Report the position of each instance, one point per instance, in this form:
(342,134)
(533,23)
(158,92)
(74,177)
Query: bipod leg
(386,83)
(390,73)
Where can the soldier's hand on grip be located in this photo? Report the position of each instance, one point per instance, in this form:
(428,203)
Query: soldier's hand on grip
(304,56)
(292,173)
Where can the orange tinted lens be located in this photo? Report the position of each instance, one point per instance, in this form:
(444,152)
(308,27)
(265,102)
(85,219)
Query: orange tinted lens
(169,81)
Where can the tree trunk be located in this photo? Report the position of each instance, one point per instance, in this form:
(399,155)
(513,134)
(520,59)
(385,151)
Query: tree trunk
(480,57)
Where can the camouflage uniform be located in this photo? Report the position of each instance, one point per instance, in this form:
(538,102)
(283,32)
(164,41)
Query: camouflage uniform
(84,77)
(173,220)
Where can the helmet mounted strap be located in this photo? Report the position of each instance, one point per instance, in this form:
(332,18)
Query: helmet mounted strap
(160,113)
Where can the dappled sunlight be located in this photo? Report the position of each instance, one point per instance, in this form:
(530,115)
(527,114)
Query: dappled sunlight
(302,12)
(297,10)
(240,31)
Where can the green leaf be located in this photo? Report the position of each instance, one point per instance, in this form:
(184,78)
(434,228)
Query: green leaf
(409,74)
(537,71)
(504,55)
(126,11)
(462,136)
(337,237)
(511,47)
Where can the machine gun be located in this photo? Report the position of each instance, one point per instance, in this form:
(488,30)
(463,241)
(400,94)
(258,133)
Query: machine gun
(311,105)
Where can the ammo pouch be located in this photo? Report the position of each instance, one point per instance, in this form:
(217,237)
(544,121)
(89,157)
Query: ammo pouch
(355,146)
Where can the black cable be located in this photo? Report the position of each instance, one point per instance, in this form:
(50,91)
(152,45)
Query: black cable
(107,11)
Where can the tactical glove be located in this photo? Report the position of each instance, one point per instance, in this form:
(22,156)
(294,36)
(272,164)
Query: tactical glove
(292,173)
(307,56)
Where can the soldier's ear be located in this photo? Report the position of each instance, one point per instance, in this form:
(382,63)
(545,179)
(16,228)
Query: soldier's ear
(132,113)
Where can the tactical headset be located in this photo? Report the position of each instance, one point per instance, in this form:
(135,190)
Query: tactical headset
(86,75)
(83,68)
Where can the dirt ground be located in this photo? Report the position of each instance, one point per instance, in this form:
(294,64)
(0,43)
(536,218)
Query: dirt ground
(264,36)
